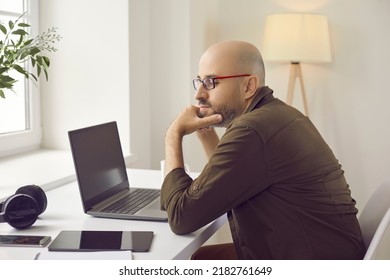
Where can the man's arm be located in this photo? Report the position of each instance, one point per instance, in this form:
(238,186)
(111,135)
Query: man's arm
(186,123)
(209,139)
(173,150)
(235,172)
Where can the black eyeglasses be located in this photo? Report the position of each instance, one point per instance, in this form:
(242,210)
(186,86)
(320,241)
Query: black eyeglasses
(209,82)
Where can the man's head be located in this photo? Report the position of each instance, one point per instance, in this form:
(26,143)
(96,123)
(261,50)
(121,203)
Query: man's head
(240,69)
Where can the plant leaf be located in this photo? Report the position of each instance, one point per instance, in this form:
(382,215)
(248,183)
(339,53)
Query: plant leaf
(39,60)
(3,69)
(46,60)
(6,82)
(34,51)
(11,24)
(7,79)
(21,70)
(20,32)
(38,70)
(3,29)
(46,74)
(2,95)
(28,42)
(35,77)
(22,24)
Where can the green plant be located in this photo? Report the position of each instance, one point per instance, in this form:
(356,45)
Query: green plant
(17,48)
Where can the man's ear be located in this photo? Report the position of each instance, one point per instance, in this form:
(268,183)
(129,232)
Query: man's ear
(251,86)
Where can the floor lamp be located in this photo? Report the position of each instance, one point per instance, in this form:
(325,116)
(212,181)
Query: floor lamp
(296,38)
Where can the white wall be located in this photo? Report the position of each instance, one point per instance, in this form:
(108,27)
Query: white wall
(347,98)
(140,101)
(169,67)
(89,75)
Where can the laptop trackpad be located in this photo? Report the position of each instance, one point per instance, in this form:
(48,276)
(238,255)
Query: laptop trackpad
(153,210)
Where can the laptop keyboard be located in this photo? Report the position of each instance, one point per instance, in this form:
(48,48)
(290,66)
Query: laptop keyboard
(133,202)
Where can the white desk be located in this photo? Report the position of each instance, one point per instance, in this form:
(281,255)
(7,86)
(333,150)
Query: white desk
(64,212)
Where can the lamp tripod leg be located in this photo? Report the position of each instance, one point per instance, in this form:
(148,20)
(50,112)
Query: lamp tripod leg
(300,76)
(296,73)
(291,84)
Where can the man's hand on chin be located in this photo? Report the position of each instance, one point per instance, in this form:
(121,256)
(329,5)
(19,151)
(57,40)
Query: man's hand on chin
(190,120)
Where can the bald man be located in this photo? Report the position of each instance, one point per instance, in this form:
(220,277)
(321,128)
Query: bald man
(273,174)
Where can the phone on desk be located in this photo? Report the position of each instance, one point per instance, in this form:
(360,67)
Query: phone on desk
(84,240)
(24,240)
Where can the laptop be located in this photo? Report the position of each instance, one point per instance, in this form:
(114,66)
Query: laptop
(102,178)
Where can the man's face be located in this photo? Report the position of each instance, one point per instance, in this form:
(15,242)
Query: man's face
(226,98)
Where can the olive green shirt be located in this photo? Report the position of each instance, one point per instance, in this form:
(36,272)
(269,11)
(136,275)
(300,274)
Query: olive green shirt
(280,184)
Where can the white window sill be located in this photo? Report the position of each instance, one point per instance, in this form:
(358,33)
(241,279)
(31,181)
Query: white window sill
(45,168)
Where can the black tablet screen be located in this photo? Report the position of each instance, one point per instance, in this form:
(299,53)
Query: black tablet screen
(136,241)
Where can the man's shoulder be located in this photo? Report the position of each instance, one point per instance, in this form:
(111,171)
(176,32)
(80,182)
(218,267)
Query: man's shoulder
(269,118)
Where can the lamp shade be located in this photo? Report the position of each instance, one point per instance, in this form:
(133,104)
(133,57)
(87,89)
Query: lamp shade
(296,38)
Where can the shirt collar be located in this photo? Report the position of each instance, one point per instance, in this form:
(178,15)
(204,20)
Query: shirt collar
(262,94)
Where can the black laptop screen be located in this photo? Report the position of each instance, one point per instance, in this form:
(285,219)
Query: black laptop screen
(99,162)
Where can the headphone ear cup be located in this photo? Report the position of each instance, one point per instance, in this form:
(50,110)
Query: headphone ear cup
(37,194)
(20,211)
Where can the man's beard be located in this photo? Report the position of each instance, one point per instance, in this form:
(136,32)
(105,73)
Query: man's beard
(228,114)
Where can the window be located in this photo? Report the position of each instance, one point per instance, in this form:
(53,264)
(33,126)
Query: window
(19,111)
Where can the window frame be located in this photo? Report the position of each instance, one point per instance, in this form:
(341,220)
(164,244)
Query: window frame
(31,138)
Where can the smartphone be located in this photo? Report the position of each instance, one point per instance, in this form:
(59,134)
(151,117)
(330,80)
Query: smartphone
(136,241)
(24,240)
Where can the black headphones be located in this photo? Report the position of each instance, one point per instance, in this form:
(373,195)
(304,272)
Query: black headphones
(22,209)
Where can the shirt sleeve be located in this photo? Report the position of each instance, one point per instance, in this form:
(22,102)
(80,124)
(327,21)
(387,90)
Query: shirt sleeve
(236,172)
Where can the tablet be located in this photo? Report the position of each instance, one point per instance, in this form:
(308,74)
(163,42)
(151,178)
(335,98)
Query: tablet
(69,240)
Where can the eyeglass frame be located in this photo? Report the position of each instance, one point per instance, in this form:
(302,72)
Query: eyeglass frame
(198,79)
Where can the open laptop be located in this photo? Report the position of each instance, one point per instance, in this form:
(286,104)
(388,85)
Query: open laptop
(102,178)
